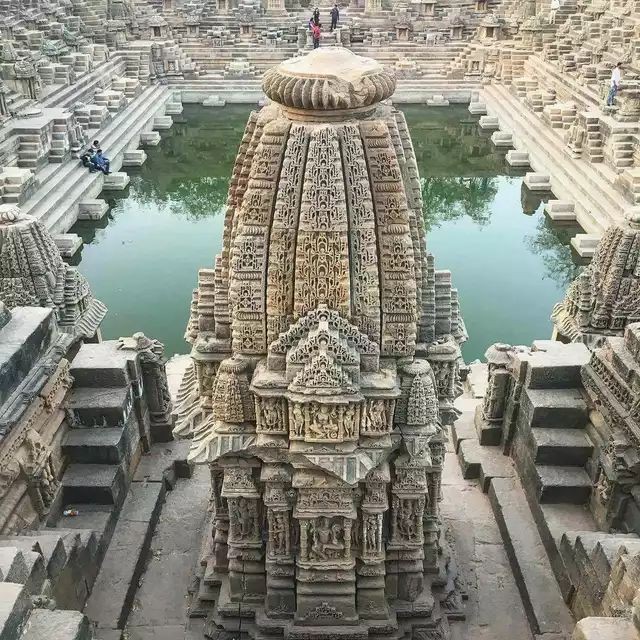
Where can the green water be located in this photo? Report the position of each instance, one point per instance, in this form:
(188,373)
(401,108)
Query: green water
(510,267)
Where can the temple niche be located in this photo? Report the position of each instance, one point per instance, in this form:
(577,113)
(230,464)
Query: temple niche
(324,371)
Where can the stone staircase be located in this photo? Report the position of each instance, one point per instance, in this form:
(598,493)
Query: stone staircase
(61,188)
(541,596)
(43,569)
(598,203)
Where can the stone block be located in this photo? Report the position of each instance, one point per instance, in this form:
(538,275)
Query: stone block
(585,244)
(437,100)
(477,108)
(560,210)
(173,108)
(100,364)
(134,158)
(554,365)
(14,607)
(489,122)
(517,158)
(605,629)
(162,122)
(502,139)
(22,342)
(92,209)
(150,138)
(68,244)
(98,446)
(56,625)
(116,181)
(537,182)
(93,484)
(213,101)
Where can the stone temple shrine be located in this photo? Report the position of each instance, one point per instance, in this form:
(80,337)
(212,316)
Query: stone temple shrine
(329,455)
(323,369)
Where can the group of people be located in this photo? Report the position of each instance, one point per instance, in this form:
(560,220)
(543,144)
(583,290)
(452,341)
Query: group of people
(94,160)
(315,26)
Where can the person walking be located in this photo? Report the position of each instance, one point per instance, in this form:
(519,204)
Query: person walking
(335,16)
(616,77)
(555,5)
(315,34)
(315,16)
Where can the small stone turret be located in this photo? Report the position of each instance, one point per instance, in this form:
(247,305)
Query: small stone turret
(605,297)
(33,274)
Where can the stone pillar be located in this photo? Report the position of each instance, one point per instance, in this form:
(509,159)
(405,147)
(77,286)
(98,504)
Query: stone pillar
(4,108)
(220,530)
(280,562)
(325,564)
(405,554)
(154,387)
(498,383)
(370,570)
(246,558)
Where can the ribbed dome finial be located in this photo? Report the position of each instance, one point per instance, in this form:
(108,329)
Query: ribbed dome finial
(330,78)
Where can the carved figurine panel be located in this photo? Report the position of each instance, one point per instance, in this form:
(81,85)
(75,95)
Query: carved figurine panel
(377,417)
(406,521)
(325,539)
(271,416)
(244,525)
(315,422)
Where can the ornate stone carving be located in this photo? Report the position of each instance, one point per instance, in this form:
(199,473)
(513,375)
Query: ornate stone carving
(327,402)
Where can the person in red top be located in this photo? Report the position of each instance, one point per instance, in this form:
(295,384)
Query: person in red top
(315,34)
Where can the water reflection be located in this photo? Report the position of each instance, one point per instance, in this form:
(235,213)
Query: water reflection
(447,199)
(142,258)
(552,243)
(191,173)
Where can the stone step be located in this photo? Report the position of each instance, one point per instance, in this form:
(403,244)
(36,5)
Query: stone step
(106,445)
(541,597)
(484,463)
(14,606)
(588,185)
(124,562)
(554,408)
(96,365)
(555,484)
(553,368)
(93,484)
(54,201)
(100,407)
(92,209)
(51,548)
(569,447)
(56,625)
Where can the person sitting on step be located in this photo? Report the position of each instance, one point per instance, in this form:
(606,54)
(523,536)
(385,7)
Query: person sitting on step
(100,162)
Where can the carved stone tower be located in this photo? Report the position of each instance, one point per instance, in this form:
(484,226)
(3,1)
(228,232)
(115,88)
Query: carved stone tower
(325,363)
